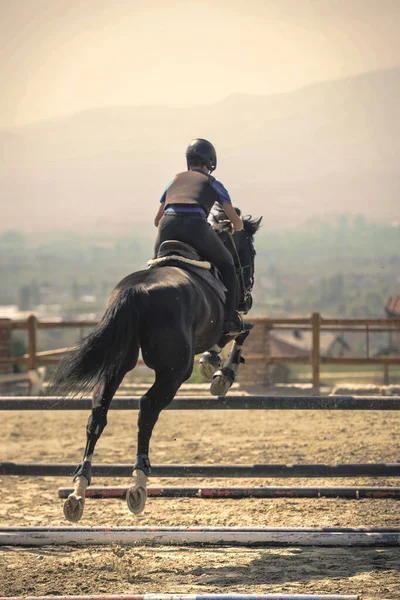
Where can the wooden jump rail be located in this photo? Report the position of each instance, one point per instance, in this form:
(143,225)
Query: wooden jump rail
(315,323)
(192,536)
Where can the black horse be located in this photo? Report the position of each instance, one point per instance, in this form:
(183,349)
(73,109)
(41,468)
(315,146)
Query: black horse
(171,311)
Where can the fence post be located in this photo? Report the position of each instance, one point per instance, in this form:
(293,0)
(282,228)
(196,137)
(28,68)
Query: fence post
(5,344)
(316,326)
(32,342)
(267,380)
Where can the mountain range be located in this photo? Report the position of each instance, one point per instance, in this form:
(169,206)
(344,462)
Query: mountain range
(328,148)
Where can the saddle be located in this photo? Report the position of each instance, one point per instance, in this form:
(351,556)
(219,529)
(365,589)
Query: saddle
(184,256)
(175,250)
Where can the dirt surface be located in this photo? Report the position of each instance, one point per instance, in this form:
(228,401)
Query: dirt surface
(202,437)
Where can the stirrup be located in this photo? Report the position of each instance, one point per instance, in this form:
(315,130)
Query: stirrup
(236,326)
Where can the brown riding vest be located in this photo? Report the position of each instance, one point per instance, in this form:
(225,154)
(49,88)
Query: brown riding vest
(192,187)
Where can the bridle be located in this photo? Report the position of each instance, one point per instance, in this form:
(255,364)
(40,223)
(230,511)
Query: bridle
(245,292)
(223,228)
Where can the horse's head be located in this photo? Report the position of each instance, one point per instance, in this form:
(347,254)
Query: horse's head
(241,246)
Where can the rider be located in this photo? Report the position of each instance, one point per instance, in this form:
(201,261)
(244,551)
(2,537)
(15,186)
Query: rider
(182,215)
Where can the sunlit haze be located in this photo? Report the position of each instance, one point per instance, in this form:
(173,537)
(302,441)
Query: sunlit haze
(63,56)
(100,99)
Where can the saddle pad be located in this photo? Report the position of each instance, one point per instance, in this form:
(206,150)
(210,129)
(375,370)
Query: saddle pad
(157,262)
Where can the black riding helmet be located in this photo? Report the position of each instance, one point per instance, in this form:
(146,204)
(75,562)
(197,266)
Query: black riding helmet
(202,151)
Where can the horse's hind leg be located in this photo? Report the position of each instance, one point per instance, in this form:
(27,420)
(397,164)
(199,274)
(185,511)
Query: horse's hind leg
(161,393)
(101,400)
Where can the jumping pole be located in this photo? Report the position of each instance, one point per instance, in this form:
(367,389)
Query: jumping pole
(233,536)
(353,493)
(207,403)
(230,471)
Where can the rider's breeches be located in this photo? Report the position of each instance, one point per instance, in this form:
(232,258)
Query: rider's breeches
(196,231)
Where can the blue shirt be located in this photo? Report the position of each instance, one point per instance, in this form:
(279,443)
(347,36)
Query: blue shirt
(222,192)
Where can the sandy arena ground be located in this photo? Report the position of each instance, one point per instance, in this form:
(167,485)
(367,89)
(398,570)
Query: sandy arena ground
(202,437)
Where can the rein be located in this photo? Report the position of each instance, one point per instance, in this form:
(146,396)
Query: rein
(245,292)
(239,270)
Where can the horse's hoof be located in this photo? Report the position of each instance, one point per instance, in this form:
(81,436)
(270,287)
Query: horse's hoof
(73,508)
(207,370)
(136,498)
(220,385)
(209,364)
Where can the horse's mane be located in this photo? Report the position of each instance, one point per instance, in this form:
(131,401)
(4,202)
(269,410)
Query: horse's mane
(251,225)
(220,220)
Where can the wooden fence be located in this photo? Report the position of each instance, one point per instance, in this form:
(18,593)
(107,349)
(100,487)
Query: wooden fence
(256,347)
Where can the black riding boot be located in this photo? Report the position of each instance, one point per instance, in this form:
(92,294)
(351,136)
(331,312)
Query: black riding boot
(235,325)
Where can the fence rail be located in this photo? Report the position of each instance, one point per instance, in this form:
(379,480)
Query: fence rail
(316,324)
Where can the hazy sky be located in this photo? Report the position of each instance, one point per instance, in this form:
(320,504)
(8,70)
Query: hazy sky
(62,56)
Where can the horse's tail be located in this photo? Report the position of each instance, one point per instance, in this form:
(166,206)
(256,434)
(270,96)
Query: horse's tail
(99,356)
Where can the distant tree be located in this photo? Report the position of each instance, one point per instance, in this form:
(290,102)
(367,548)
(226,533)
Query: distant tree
(18,348)
(278,287)
(359,222)
(343,221)
(24,298)
(75,291)
(35,293)
(288,305)
(12,237)
(323,290)
(335,289)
